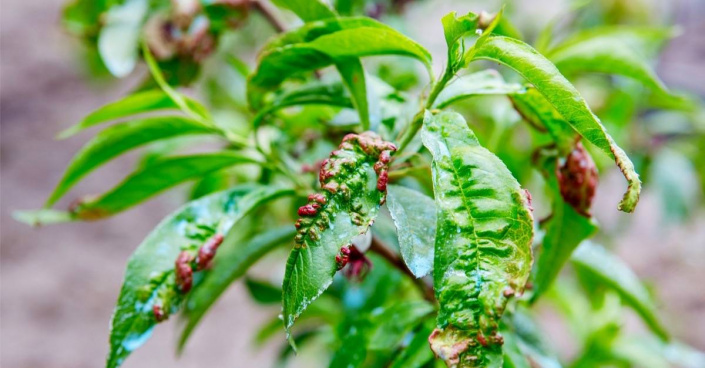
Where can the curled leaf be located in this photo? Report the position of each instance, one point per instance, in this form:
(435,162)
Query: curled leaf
(560,93)
(483,242)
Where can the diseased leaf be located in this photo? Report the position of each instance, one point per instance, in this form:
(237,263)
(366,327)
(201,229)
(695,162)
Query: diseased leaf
(262,291)
(307,10)
(483,242)
(137,103)
(153,179)
(118,41)
(417,353)
(609,50)
(325,43)
(486,82)
(230,263)
(610,270)
(354,181)
(151,292)
(414,216)
(393,323)
(119,139)
(565,99)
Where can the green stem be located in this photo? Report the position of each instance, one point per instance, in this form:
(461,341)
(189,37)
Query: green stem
(417,122)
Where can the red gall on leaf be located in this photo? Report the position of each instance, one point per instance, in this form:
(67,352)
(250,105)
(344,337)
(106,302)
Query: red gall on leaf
(207,252)
(159,313)
(184,272)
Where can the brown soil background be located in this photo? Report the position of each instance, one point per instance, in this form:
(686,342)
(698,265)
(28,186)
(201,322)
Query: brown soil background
(58,284)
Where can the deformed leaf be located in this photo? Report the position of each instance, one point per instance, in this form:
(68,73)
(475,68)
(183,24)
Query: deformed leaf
(150,292)
(483,242)
(230,263)
(610,270)
(565,99)
(486,82)
(414,216)
(137,103)
(153,179)
(354,183)
(119,139)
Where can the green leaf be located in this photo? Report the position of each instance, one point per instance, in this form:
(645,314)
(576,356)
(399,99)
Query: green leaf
(537,111)
(608,50)
(414,216)
(262,291)
(150,277)
(352,352)
(119,139)
(137,103)
(326,43)
(43,217)
(155,178)
(455,29)
(483,242)
(118,41)
(565,230)
(606,267)
(353,75)
(486,82)
(565,99)
(417,353)
(513,356)
(189,107)
(394,322)
(307,10)
(230,263)
(314,93)
(347,207)
(520,330)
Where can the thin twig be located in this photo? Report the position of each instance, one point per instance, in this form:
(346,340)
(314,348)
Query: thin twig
(262,9)
(383,251)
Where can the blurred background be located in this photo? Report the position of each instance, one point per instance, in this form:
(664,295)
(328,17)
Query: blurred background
(58,284)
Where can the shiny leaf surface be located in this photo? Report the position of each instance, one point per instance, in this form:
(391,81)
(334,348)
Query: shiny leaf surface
(150,292)
(483,242)
(414,216)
